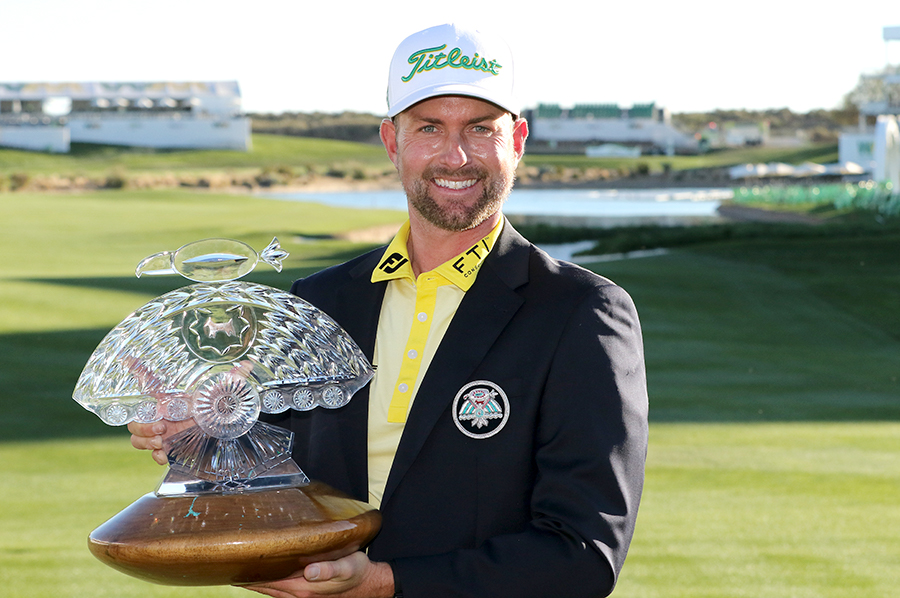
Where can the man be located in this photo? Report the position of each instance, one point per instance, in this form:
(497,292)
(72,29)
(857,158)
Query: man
(504,434)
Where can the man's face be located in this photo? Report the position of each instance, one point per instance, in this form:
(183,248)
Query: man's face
(457,158)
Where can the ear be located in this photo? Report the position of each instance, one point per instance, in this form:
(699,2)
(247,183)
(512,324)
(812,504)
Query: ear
(388,132)
(520,134)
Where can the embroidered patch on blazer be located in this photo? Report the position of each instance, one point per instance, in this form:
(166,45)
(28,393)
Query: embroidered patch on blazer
(480,409)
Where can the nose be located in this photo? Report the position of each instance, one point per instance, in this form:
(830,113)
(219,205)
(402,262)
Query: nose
(454,153)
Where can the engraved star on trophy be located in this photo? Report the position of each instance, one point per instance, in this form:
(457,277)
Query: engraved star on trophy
(233,507)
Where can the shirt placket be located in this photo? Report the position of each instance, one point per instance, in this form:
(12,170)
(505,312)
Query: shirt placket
(423,315)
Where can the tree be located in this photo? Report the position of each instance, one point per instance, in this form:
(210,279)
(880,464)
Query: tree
(879,88)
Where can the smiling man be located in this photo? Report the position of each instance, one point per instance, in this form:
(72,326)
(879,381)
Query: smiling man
(504,434)
(456,157)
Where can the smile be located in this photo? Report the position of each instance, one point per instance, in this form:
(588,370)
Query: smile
(455,184)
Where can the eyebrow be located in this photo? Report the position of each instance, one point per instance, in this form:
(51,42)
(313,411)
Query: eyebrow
(471,121)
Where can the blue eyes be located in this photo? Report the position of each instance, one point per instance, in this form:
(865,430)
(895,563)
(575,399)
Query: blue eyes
(476,129)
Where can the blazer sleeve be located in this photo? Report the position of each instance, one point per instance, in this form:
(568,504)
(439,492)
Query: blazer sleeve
(591,446)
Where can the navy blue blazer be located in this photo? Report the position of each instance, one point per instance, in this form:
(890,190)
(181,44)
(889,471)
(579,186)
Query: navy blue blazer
(542,505)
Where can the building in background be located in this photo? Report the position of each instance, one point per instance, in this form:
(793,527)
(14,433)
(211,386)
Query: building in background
(183,115)
(875,147)
(646,127)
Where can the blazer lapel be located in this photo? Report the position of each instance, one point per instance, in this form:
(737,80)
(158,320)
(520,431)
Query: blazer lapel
(485,311)
(359,303)
(341,437)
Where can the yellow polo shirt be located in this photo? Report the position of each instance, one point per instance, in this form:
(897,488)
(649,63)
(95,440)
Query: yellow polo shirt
(415,314)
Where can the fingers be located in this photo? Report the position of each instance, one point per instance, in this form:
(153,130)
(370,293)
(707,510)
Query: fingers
(160,456)
(266,591)
(343,569)
(149,437)
(347,577)
(318,572)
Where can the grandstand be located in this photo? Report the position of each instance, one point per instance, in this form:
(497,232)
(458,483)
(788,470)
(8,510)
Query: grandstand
(196,115)
(643,126)
(877,97)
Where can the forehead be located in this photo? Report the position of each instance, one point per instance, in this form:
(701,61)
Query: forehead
(450,108)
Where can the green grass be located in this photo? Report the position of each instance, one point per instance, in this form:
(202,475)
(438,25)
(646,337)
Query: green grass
(819,153)
(53,495)
(269,151)
(774,375)
(804,510)
(632,238)
(68,277)
(318,155)
(770,331)
(106,233)
(773,372)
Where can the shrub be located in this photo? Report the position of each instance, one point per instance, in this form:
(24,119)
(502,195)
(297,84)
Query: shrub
(18,180)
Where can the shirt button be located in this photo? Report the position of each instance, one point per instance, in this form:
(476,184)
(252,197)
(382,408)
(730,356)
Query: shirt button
(403,387)
(412,354)
(422,316)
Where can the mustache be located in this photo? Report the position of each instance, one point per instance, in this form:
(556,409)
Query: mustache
(466,172)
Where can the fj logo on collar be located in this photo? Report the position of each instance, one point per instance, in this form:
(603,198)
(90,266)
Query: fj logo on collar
(393,262)
(480,409)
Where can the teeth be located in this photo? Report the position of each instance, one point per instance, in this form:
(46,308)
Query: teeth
(455,184)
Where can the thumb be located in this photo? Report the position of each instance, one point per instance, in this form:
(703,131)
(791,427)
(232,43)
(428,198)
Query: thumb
(339,570)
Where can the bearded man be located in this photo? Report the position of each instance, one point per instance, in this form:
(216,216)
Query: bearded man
(504,434)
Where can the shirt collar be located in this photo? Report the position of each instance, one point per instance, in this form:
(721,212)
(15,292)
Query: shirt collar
(460,270)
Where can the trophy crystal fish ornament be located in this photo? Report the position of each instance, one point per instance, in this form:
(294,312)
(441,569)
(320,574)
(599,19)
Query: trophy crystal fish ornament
(233,507)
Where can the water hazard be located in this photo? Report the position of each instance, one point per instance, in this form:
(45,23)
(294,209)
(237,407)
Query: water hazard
(627,204)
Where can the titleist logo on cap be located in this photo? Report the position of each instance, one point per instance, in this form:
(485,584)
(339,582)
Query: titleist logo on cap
(426,60)
(451,60)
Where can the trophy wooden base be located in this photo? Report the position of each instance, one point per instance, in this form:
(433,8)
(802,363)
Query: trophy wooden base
(233,539)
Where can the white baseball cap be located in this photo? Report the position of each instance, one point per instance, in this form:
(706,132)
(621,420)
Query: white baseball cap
(451,60)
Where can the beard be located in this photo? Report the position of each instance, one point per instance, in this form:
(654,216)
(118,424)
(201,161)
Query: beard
(460,216)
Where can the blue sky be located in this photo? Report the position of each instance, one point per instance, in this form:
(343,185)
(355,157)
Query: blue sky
(691,55)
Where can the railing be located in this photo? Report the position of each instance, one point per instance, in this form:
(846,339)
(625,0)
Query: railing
(153,115)
(30,119)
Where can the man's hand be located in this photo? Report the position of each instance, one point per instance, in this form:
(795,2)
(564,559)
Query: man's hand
(149,437)
(353,576)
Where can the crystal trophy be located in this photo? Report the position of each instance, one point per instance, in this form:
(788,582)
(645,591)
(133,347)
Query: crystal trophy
(233,507)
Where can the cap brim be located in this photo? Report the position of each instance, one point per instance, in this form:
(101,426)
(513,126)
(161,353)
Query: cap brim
(457,89)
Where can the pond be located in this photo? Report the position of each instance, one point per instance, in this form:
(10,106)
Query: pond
(611,204)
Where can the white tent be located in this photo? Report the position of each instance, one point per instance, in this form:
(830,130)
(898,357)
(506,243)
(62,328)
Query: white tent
(887,150)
